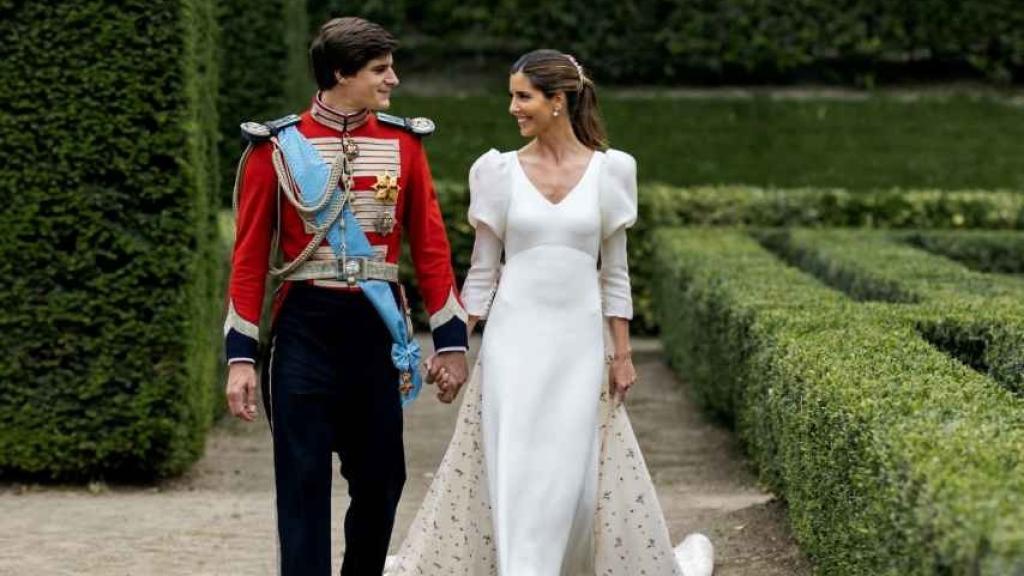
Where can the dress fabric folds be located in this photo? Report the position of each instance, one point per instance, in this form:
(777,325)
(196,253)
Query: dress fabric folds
(543,475)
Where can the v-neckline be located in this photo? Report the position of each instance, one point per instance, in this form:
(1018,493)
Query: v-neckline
(586,171)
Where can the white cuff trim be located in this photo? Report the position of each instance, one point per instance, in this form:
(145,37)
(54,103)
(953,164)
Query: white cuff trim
(451,349)
(451,309)
(240,325)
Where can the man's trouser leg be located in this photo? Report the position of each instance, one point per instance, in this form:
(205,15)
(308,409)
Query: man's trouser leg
(371,450)
(332,387)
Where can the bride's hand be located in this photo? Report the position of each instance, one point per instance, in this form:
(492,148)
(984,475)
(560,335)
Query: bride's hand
(448,389)
(621,377)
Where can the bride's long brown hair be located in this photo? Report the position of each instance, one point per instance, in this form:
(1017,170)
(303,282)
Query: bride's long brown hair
(551,71)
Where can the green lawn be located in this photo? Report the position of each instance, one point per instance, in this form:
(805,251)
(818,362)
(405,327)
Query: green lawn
(879,142)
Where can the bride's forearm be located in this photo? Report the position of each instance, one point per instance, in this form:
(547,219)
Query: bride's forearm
(619,328)
(471,324)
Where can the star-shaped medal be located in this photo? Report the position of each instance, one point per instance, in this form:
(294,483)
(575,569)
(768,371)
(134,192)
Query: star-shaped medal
(387,187)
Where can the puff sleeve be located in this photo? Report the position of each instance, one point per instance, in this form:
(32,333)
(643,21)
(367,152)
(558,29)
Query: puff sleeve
(618,212)
(488,203)
(618,193)
(489,183)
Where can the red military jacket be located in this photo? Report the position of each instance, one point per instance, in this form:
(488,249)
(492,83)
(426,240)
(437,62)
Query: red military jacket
(385,150)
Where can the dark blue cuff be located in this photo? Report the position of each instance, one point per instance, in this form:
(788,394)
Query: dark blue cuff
(238,345)
(451,334)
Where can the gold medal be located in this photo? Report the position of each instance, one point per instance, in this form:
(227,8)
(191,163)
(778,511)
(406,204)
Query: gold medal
(387,187)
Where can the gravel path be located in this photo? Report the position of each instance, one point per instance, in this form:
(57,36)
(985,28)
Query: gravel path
(218,518)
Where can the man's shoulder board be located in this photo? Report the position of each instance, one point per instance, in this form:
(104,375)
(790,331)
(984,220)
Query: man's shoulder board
(418,126)
(255,132)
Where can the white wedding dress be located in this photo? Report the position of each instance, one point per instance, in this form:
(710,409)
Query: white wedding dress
(543,476)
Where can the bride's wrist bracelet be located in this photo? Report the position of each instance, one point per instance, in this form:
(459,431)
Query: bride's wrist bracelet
(619,357)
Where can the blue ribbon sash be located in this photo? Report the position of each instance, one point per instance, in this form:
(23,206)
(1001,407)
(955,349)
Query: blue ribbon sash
(310,173)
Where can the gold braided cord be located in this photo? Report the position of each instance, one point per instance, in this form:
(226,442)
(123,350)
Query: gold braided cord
(337,206)
(286,184)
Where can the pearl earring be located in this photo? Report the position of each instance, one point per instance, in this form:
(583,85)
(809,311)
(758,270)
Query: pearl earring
(556,112)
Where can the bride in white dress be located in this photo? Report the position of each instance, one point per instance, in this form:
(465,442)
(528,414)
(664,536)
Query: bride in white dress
(543,476)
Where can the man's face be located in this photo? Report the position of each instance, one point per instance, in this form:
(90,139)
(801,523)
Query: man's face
(371,86)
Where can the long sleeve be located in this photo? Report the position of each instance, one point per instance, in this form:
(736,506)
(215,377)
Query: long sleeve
(255,190)
(431,257)
(618,212)
(482,278)
(616,295)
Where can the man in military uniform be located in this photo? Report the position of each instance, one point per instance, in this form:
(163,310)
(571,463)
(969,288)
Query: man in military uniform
(339,365)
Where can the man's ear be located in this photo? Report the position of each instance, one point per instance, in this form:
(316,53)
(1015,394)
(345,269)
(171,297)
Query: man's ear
(339,78)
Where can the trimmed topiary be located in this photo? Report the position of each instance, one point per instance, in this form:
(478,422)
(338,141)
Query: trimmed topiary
(896,454)
(107,237)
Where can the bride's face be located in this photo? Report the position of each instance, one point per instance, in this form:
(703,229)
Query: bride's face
(533,111)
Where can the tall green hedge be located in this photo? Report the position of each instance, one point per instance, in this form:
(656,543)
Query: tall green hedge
(262,56)
(108,248)
(896,456)
(671,41)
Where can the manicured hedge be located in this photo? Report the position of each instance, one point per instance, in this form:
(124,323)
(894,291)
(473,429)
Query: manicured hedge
(894,457)
(978,318)
(262,57)
(757,207)
(668,41)
(982,250)
(112,291)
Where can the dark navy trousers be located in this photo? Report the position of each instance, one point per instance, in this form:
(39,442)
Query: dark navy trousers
(329,387)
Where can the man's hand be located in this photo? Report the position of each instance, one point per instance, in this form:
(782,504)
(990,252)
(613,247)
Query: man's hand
(448,370)
(241,390)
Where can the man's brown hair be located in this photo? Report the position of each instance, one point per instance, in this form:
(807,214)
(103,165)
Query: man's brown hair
(345,45)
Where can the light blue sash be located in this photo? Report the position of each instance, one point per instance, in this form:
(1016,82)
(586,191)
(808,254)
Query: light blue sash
(310,174)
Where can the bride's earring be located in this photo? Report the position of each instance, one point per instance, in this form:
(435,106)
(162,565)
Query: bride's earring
(556,112)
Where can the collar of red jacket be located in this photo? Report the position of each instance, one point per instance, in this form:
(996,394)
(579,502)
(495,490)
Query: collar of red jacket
(336,119)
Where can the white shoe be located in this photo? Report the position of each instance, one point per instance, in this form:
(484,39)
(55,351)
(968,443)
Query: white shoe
(696,555)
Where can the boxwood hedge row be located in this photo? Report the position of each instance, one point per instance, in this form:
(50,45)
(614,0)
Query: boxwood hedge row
(112,291)
(982,250)
(895,457)
(262,59)
(662,206)
(977,318)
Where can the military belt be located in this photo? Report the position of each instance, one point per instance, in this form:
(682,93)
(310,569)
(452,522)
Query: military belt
(350,270)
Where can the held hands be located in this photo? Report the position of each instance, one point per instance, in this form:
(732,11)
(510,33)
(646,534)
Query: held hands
(241,390)
(621,376)
(448,370)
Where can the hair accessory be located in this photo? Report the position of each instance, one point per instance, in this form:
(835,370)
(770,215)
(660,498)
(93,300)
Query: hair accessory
(579,69)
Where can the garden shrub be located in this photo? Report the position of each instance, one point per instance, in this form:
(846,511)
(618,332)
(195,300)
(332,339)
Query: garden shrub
(108,239)
(981,250)
(894,456)
(668,41)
